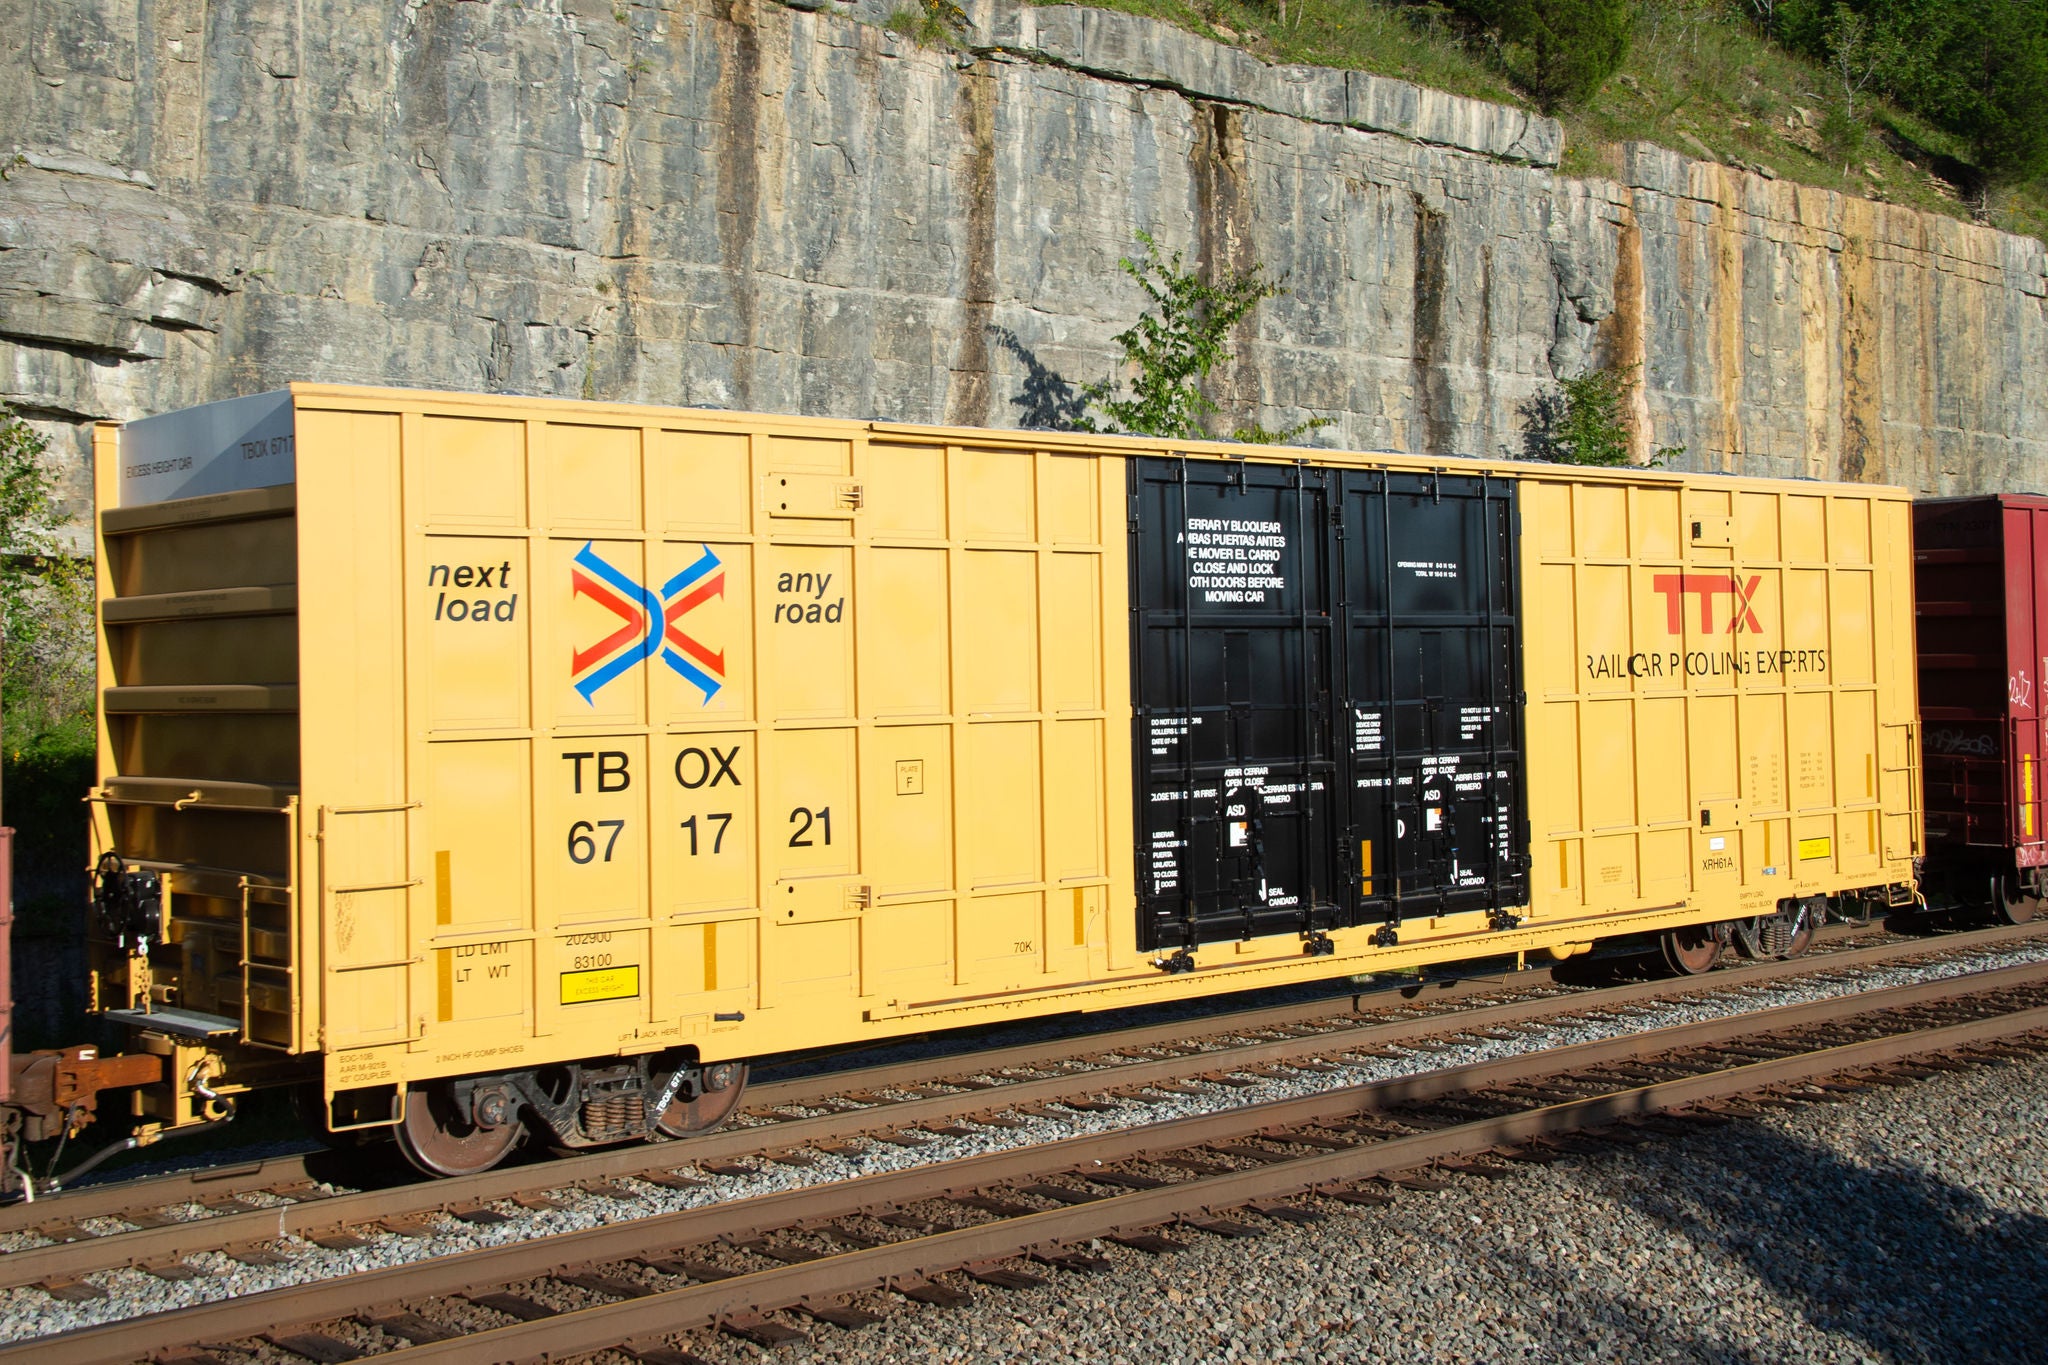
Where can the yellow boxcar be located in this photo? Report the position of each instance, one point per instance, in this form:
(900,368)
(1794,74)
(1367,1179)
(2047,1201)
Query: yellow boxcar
(505,764)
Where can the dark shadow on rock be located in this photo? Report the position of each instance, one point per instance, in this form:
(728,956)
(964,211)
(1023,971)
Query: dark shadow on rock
(1913,1268)
(1049,401)
(1542,417)
(1966,180)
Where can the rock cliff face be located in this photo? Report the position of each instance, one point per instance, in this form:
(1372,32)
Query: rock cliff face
(749,206)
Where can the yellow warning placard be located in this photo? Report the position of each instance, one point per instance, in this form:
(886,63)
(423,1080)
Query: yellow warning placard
(603,983)
(1815,848)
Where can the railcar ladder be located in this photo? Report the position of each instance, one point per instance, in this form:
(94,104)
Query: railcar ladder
(335,960)
(1899,770)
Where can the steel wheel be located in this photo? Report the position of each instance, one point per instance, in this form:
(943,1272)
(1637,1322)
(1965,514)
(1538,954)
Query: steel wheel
(1786,934)
(1690,950)
(438,1136)
(2011,902)
(714,1098)
(1806,922)
(1746,936)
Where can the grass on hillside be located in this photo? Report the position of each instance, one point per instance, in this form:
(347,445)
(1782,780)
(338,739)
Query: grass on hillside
(1699,80)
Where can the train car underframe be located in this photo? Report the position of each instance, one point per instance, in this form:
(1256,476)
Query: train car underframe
(1696,948)
(460,1125)
(1991,882)
(180,1086)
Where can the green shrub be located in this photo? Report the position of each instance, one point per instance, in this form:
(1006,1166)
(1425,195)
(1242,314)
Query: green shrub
(1842,135)
(46,624)
(1560,51)
(46,649)
(1583,421)
(1594,432)
(1974,68)
(934,23)
(1172,347)
(2003,109)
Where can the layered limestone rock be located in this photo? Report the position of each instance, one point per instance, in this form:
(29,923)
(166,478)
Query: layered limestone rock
(749,206)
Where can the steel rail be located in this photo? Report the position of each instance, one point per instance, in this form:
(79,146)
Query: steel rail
(806,1090)
(465,1272)
(112,1199)
(580,1331)
(177,1240)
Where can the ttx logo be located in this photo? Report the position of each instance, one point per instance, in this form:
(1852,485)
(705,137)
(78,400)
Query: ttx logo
(648,623)
(1676,587)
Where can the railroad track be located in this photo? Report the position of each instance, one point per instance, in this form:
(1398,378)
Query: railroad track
(217,1188)
(244,1213)
(758,1267)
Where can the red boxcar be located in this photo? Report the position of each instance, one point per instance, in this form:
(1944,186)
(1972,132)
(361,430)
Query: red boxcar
(1981,580)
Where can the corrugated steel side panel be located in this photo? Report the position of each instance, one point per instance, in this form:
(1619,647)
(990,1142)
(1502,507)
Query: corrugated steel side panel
(696,725)
(1717,711)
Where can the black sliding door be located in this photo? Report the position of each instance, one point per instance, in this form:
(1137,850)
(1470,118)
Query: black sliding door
(1326,723)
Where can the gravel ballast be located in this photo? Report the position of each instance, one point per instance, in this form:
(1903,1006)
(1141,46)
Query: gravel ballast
(1902,1225)
(29,1312)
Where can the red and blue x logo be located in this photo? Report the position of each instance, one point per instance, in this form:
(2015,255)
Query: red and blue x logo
(647,623)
